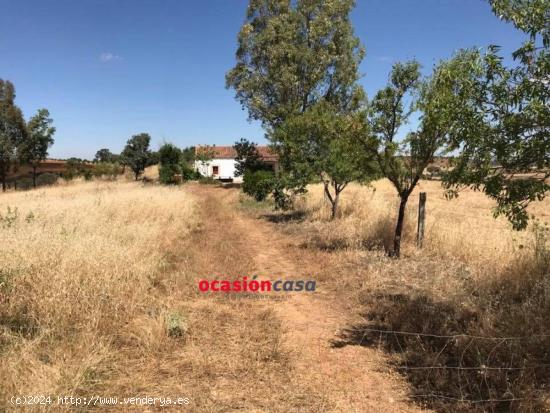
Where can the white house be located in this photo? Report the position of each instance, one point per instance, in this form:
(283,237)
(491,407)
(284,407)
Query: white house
(222,165)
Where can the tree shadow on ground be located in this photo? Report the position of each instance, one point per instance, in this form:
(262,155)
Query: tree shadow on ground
(442,351)
(284,217)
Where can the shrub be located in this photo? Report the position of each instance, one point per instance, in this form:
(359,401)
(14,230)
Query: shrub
(258,184)
(46,179)
(24,183)
(169,157)
(188,173)
(166,174)
(175,325)
(108,170)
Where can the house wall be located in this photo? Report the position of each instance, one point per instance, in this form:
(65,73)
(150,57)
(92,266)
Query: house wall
(226,169)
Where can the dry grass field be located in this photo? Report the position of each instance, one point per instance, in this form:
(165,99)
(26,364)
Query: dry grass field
(85,273)
(98,296)
(474,276)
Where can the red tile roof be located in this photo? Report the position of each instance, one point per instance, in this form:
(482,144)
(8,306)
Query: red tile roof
(228,152)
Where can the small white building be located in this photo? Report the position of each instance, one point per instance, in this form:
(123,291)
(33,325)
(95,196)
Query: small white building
(222,165)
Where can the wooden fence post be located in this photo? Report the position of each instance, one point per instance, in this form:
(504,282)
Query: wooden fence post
(421,219)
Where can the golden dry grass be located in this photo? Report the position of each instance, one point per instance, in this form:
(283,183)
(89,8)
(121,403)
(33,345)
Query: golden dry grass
(475,276)
(462,228)
(84,269)
(94,275)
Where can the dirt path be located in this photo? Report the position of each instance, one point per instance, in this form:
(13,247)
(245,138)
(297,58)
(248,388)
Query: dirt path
(354,378)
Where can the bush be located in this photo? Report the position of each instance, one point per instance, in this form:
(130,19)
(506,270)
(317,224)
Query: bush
(258,184)
(107,170)
(166,174)
(24,183)
(175,325)
(46,179)
(188,173)
(169,157)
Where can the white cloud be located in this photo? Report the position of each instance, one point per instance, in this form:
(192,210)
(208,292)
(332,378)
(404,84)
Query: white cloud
(385,58)
(109,57)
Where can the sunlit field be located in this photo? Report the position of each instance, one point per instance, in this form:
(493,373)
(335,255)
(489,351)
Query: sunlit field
(474,276)
(462,228)
(85,273)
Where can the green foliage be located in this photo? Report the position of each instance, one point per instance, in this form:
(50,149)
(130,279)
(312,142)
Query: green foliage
(39,138)
(282,45)
(176,327)
(153,159)
(46,179)
(188,155)
(324,144)
(77,167)
(435,100)
(504,132)
(13,131)
(291,56)
(248,158)
(108,170)
(170,158)
(105,156)
(258,184)
(136,153)
(188,173)
(286,187)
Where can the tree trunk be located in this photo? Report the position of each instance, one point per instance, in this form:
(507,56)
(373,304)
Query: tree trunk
(399,227)
(335,205)
(3,184)
(333,201)
(34,176)
(136,174)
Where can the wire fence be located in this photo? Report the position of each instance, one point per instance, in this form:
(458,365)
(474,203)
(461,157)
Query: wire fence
(482,369)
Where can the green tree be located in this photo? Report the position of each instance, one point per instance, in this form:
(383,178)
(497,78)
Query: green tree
(248,158)
(325,144)
(13,130)
(504,140)
(136,153)
(106,156)
(169,157)
(188,155)
(34,148)
(292,55)
(434,100)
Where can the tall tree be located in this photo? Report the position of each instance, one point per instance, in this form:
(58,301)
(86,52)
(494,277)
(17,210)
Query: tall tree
(105,155)
(34,148)
(136,153)
(434,100)
(12,130)
(505,144)
(324,144)
(292,55)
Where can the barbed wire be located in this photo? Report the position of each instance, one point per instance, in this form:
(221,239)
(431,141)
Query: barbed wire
(410,333)
(456,399)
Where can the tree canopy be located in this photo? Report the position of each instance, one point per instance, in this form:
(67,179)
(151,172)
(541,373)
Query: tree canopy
(13,130)
(503,141)
(39,138)
(136,153)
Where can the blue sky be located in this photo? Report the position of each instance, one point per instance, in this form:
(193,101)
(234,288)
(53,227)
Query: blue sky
(107,69)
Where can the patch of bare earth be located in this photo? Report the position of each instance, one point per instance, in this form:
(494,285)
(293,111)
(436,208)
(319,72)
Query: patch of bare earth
(307,373)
